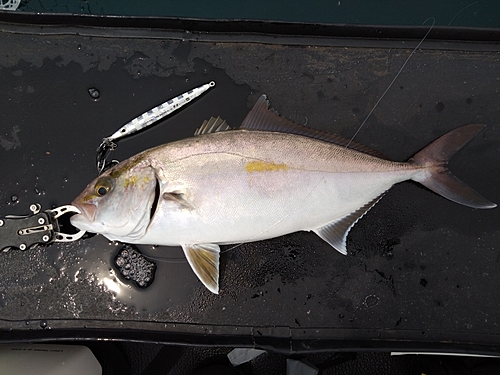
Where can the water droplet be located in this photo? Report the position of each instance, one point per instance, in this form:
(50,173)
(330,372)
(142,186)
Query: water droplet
(14,199)
(37,191)
(94,93)
(371,300)
(43,323)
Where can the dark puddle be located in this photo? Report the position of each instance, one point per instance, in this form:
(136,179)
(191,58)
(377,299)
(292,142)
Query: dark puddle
(173,285)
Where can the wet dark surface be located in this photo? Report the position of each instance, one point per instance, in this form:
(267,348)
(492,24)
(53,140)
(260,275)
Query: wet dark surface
(420,270)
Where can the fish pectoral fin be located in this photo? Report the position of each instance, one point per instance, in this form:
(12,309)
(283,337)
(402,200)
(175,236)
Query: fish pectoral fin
(213,125)
(179,198)
(204,260)
(335,233)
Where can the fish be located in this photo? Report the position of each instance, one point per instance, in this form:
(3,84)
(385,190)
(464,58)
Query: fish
(268,178)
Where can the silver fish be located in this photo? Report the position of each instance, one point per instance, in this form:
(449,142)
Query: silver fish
(266,179)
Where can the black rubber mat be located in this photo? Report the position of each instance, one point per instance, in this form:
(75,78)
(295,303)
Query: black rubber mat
(421,271)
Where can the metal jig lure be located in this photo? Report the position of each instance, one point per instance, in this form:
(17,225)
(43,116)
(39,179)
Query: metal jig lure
(146,119)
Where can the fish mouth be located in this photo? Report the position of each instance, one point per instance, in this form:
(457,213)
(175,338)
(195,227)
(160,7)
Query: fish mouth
(86,215)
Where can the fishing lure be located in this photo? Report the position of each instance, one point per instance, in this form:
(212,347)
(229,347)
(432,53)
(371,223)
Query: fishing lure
(146,119)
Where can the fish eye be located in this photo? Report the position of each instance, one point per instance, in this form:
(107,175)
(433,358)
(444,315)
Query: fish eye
(103,186)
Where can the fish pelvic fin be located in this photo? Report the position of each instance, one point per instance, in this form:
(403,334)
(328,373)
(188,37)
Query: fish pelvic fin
(437,178)
(204,260)
(335,233)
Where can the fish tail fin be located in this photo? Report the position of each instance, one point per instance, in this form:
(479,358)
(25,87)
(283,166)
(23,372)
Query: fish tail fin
(437,177)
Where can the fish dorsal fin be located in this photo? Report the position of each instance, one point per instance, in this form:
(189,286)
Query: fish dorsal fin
(213,125)
(264,118)
(204,260)
(335,233)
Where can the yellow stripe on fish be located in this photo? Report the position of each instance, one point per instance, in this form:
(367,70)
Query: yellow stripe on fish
(264,166)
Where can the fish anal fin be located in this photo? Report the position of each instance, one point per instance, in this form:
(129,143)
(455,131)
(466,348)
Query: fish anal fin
(204,260)
(335,233)
(264,118)
(212,125)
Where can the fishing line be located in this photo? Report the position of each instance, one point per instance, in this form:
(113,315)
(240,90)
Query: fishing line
(166,260)
(145,254)
(394,79)
(461,10)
